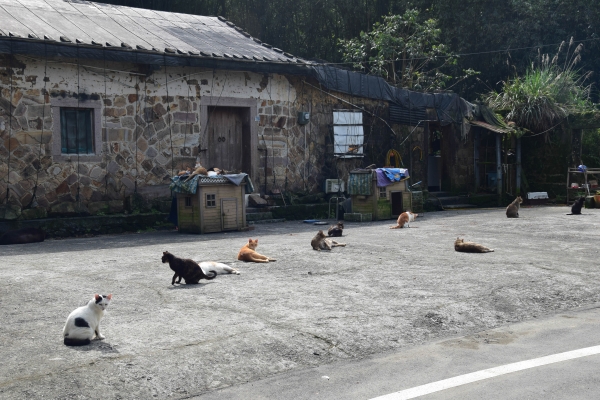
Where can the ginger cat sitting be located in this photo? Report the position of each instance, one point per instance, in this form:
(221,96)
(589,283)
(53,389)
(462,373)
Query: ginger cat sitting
(248,253)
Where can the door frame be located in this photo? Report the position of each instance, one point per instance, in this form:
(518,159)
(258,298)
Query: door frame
(237,222)
(214,101)
(392,194)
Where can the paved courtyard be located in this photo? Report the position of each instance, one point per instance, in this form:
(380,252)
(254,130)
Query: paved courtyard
(387,290)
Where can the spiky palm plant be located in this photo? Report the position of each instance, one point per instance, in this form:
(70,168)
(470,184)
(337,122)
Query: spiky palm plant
(546,94)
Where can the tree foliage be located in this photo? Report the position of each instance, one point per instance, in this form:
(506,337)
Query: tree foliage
(404,50)
(548,92)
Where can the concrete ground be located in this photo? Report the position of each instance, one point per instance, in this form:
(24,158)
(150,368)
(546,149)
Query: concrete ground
(387,290)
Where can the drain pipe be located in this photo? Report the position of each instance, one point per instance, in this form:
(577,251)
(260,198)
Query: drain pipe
(499,168)
(266,160)
(518,166)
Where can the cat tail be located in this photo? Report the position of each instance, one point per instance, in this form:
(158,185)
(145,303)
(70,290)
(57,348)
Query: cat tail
(76,342)
(213,276)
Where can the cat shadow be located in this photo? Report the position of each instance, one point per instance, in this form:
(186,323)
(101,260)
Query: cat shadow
(97,345)
(190,286)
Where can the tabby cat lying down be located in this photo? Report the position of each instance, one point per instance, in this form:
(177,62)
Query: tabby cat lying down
(321,242)
(470,247)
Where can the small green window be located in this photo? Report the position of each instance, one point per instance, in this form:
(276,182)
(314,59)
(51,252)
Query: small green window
(211,200)
(76,136)
(382,192)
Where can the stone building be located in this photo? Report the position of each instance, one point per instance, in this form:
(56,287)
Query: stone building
(99,102)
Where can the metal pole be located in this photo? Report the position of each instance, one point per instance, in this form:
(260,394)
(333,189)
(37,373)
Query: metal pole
(518,166)
(476,160)
(498,169)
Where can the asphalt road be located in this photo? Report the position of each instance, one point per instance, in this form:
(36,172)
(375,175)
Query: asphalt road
(402,374)
(388,291)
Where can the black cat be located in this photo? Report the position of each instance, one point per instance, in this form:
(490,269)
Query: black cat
(185,268)
(336,230)
(22,236)
(577,206)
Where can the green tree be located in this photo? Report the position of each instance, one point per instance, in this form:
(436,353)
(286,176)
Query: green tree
(403,50)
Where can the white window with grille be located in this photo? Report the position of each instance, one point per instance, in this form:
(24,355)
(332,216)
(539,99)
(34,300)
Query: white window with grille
(348,134)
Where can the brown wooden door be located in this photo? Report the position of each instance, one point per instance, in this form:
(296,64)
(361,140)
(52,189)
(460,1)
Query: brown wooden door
(225,138)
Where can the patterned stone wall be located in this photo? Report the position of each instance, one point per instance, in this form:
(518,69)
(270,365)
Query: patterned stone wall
(150,127)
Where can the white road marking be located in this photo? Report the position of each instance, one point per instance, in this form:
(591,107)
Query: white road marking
(487,373)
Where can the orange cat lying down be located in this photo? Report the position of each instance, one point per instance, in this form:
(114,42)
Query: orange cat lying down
(247,253)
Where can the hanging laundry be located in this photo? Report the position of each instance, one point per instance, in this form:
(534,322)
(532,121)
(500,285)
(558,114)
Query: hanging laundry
(395,174)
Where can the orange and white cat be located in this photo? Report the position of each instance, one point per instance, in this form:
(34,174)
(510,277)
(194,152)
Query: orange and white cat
(405,219)
(248,253)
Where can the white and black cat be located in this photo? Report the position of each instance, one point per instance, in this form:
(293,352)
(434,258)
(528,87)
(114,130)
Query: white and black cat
(577,206)
(83,323)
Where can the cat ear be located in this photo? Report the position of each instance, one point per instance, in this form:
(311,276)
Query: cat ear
(250,240)
(109,296)
(97,296)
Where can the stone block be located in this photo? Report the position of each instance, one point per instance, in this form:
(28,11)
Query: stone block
(184,117)
(128,182)
(62,188)
(161,159)
(116,135)
(120,101)
(96,207)
(20,110)
(128,122)
(151,152)
(64,209)
(34,213)
(9,211)
(96,173)
(113,167)
(115,206)
(159,109)
(39,111)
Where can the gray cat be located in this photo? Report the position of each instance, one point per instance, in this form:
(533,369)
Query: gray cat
(512,211)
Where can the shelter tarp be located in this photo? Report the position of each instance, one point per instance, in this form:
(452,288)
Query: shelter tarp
(450,107)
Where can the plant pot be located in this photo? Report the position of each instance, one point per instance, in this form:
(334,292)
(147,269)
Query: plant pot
(597,200)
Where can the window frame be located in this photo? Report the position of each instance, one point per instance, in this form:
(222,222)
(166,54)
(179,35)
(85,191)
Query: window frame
(342,123)
(58,103)
(65,113)
(207,200)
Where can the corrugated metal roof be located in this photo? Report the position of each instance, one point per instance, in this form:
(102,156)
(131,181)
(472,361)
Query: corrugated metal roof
(89,23)
(493,128)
